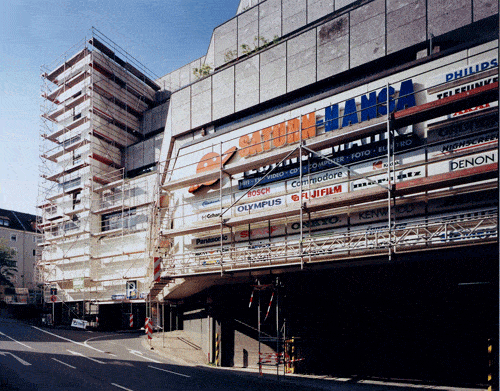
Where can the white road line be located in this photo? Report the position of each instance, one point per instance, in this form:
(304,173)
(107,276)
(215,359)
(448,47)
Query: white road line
(20,343)
(69,340)
(139,354)
(123,388)
(81,355)
(164,370)
(17,358)
(101,336)
(61,362)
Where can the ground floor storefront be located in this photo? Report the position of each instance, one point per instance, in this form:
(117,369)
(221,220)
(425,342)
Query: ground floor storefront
(427,317)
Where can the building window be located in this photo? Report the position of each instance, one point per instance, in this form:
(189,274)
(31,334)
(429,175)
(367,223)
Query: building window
(77,159)
(118,220)
(70,226)
(34,252)
(76,198)
(13,238)
(69,184)
(4,221)
(70,141)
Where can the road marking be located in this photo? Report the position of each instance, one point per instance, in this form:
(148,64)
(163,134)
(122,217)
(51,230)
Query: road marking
(81,355)
(123,388)
(139,354)
(61,362)
(101,336)
(69,340)
(20,343)
(17,358)
(164,370)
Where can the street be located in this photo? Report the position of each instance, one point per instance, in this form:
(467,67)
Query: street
(35,358)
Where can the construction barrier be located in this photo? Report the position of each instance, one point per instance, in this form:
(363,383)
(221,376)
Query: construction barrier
(148,327)
(157,269)
(131,320)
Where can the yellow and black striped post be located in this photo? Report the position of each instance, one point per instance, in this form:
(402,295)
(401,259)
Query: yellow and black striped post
(217,351)
(492,367)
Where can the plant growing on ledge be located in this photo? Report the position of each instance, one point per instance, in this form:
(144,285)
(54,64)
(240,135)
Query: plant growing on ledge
(245,49)
(230,55)
(202,71)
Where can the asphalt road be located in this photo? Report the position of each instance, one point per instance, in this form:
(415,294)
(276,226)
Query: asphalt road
(35,358)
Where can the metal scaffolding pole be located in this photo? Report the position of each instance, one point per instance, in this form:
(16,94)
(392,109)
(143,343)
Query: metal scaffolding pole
(301,240)
(389,182)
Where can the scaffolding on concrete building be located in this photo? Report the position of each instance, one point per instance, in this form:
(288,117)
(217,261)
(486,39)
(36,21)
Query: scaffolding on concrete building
(179,217)
(94,219)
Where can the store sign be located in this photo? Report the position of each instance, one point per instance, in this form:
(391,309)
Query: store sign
(398,211)
(488,122)
(288,132)
(318,224)
(474,109)
(210,241)
(464,162)
(318,193)
(209,162)
(400,176)
(456,75)
(464,144)
(259,233)
(468,70)
(259,205)
(324,177)
(336,116)
(353,154)
(466,87)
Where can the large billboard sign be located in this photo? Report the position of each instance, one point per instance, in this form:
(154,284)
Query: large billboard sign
(443,146)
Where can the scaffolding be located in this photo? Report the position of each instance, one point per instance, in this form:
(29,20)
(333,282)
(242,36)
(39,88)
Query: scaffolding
(206,224)
(94,219)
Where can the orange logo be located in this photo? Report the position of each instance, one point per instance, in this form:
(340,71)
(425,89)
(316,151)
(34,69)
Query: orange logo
(211,161)
(276,136)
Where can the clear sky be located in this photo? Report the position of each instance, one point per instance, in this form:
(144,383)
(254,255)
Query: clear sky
(161,34)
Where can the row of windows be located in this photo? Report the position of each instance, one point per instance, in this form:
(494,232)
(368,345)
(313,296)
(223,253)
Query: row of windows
(16,250)
(36,239)
(118,220)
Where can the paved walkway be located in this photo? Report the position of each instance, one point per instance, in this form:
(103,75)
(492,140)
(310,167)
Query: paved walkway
(176,346)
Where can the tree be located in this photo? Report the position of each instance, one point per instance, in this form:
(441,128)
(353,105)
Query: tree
(7,264)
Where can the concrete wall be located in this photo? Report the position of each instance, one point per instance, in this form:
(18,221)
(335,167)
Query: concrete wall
(143,153)
(198,326)
(246,351)
(363,34)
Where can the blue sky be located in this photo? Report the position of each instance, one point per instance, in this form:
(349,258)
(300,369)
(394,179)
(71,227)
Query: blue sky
(161,34)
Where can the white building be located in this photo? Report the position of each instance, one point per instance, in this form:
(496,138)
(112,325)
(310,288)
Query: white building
(18,231)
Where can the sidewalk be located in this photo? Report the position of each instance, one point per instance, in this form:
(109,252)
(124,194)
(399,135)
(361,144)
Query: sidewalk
(176,346)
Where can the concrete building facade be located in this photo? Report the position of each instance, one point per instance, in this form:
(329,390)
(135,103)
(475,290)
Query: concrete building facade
(337,159)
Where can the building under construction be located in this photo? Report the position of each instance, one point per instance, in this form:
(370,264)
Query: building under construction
(103,123)
(324,182)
